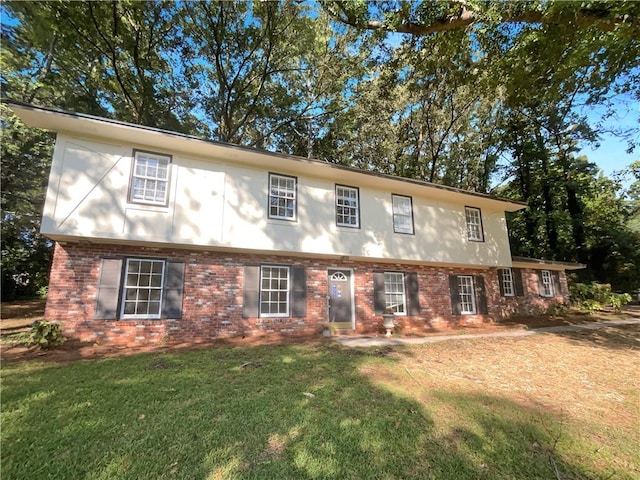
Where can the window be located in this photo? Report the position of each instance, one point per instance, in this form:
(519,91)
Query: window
(149,178)
(142,291)
(347,207)
(143,288)
(274,291)
(402,214)
(282,197)
(474,224)
(394,294)
(506,278)
(547,285)
(398,291)
(467,295)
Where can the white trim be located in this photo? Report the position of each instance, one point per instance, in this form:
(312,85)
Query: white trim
(288,291)
(474,307)
(402,228)
(404,293)
(473,219)
(547,284)
(283,194)
(138,287)
(506,282)
(160,159)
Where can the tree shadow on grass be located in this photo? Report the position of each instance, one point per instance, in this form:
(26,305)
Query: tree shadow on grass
(622,337)
(267,412)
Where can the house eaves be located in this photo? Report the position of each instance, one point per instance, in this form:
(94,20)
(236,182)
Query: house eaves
(97,127)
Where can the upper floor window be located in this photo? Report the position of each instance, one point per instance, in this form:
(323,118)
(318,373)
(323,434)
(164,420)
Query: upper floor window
(282,197)
(150,178)
(467,294)
(274,291)
(347,206)
(474,224)
(402,214)
(142,290)
(547,283)
(394,293)
(506,277)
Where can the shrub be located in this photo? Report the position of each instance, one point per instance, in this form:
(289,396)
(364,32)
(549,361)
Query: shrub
(593,296)
(46,334)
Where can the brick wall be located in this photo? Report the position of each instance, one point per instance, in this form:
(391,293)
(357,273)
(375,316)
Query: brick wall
(213,295)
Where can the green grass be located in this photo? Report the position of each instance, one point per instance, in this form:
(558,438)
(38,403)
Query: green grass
(307,411)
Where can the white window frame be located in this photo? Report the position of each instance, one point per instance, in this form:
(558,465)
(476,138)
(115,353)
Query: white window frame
(273,289)
(402,206)
(396,297)
(467,294)
(347,206)
(508,288)
(142,181)
(283,193)
(138,288)
(473,219)
(547,283)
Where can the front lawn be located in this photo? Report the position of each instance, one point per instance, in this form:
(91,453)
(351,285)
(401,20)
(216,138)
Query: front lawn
(552,406)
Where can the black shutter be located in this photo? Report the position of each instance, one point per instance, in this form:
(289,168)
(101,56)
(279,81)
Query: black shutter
(500,277)
(540,284)
(298,292)
(379,300)
(481,295)
(251,292)
(413,293)
(173,289)
(108,296)
(555,276)
(456,308)
(517,281)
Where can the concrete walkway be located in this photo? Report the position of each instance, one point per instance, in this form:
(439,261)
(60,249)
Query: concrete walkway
(367,341)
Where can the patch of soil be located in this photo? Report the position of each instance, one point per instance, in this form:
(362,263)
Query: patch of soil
(21,314)
(73,350)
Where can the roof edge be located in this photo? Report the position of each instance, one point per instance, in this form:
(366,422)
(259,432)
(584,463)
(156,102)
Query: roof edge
(19,104)
(542,262)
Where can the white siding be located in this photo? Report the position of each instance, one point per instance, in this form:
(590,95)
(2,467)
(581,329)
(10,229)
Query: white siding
(216,202)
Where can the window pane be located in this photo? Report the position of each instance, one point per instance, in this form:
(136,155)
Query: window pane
(143,288)
(150,175)
(282,197)
(274,294)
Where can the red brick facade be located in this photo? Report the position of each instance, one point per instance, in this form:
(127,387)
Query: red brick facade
(213,296)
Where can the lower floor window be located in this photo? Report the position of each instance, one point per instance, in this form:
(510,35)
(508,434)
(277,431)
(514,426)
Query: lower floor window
(394,292)
(547,285)
(142,291)
(507,282)
(467,294)
(274,291)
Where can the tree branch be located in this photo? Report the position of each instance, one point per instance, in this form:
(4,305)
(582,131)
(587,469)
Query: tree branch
(584,17)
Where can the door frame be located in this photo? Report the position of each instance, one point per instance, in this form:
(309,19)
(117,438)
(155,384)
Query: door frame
(353,298)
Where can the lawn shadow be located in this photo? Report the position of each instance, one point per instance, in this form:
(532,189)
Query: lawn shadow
(295,412)
(622,337)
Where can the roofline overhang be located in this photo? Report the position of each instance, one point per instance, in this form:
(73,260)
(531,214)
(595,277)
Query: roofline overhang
(88,125)
(541,264)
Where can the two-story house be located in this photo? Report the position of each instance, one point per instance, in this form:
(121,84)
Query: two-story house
(163,237)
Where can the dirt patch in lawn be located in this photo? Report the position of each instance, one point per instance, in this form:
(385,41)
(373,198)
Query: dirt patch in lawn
(21,313)
(561,371)
(18,316)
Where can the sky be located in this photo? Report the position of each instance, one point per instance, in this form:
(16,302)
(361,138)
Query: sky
(611,155)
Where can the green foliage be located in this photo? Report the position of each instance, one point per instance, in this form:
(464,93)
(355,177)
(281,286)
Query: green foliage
(472,95)
(595,296)
(46,334)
